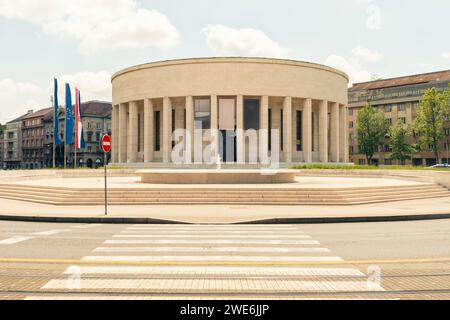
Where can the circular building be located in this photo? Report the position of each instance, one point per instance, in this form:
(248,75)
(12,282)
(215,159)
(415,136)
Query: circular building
(245,110)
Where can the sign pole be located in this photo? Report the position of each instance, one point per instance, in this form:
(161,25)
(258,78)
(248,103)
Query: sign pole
(54,138)
(106,185)
(106,146)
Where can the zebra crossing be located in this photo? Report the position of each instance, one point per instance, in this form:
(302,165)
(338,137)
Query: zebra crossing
(148,261)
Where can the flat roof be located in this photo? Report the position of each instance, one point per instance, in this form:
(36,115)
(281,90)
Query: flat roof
(163,63)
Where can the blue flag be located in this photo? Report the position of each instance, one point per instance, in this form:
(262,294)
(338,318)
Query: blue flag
(56,140)
(70,121)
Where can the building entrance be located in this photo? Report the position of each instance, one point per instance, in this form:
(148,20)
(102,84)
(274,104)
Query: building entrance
(227,146)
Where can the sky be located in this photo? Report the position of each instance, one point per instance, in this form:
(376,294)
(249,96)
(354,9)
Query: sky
(83,42)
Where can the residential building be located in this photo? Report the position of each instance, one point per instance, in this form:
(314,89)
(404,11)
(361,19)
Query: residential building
(399,98)
(12,153)
(96,119)
(33,139)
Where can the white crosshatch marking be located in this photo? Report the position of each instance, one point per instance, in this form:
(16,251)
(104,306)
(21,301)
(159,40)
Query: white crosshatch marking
(14,240)
(50,232)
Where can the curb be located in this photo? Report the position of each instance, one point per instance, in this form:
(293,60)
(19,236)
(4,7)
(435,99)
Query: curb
(318,220)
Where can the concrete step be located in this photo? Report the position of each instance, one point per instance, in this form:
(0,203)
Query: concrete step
(64,196)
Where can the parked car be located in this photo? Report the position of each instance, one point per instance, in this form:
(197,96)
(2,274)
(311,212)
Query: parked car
(442,165)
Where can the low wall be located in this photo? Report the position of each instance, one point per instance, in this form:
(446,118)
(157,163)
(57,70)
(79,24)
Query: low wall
(67,173)
(440,177)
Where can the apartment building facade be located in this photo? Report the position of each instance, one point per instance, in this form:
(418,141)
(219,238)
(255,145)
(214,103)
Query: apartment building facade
(12,143)
(96,119)
(33,139)
(399,98)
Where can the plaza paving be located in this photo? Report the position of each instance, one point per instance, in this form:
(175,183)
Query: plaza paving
(214,213)
(301,183)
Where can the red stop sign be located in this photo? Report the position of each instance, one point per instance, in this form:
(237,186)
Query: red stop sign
(106,143)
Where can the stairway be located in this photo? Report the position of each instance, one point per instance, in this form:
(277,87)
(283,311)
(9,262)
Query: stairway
(230,195)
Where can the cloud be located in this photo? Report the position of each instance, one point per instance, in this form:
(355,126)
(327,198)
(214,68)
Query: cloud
(16,98)
(242,42)
(358,2)
(355,72)
(9,87)
(367,55)
(92,85)
(99,25)
(354,64)
(446,55)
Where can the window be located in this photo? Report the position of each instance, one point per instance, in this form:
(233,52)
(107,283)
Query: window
(387,108)
(299,137)
(157,130)
(312,131)
(401,107)
(99,126)
(402,120)
(389,121)
(251,114)
(447,131)
(270,129)
(281,130)
(350,112)
(351,149)
(202,113)
(173,126)
(89,136)
(97,136)
(362,162)
(350,124)
(387,162)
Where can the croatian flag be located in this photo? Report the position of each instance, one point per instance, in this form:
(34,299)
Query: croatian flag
(79,133)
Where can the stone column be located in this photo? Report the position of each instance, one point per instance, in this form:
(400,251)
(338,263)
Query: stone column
(264,131)
(342,125)
(115,134)
(167,129)
(149,139)
(240,142)
(133,133)
(346,129)
(323,131)
(189,141)
(307,130)
(123,128)
(334,134)
(287,130)
(214,128)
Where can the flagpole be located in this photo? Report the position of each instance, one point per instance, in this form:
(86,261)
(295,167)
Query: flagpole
(65,139)
(76,127)
(54,138)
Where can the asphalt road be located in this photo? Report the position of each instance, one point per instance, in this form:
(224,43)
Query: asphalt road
(394,260)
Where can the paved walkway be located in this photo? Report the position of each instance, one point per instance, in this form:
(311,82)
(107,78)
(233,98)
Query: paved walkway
(301,183)
(231,214)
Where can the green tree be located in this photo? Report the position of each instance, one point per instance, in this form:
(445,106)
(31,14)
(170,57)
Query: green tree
(399,134)
(371,130)
(431,115)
